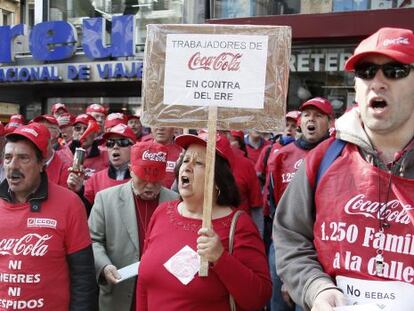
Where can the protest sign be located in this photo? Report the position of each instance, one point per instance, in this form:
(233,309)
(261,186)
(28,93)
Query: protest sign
(216,77)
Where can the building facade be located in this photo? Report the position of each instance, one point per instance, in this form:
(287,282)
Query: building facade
(324,34)
(80,52)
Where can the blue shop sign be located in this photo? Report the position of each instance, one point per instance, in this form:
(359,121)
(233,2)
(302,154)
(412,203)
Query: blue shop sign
(56,40)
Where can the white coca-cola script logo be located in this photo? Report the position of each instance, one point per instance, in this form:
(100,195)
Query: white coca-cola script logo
(154,156)
(399,40)
(31,244)
(391,211)
(225,61)
(298,163)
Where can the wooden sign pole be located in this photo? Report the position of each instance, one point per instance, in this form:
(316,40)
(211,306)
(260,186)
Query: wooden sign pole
(209,178)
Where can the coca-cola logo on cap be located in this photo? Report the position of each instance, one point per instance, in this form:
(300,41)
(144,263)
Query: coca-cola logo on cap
(30,131)
(399,40)
(225,61)
(154,156)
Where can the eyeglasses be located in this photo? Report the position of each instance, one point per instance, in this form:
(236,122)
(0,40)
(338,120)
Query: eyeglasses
(123,142)
(392,71)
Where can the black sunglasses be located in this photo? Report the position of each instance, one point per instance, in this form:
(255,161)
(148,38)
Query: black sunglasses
(123,142)
(392,71)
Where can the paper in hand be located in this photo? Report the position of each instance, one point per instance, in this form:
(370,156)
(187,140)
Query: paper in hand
(128,271)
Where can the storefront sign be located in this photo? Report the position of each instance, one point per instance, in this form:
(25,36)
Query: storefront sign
(211,69)
(93,72)
(318,62)
(57,40)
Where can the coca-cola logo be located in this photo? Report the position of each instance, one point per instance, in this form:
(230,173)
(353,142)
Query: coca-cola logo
(391,211)
(298,163)
(399,40)
(154,156)
(225,61)
(31,244)
(30,131)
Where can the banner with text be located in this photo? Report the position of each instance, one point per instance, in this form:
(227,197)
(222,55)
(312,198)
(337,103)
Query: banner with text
(242,70)
(220,70)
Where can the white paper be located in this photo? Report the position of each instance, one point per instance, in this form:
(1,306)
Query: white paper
(184,264)
(128,271)
(363,307)
(386,295)
(215,69)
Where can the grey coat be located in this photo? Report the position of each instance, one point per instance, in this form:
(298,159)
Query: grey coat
(114,233)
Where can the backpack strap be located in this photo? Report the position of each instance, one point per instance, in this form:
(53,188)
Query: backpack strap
(333,151)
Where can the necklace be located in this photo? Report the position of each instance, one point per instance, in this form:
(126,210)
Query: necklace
(383,224)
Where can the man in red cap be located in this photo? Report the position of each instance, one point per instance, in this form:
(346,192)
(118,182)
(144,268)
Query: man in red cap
(315,119)
(57,169)
(53,126)
(114,119)
(165,136)
(15,121)
(99,113)
(85,130)
(44,240)
(119,219)
(65,122)
(58,109)
(134,122)
(344,228)
(119,140)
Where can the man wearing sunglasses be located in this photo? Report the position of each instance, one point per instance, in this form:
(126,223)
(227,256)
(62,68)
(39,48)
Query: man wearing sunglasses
(344,228)
(118,140)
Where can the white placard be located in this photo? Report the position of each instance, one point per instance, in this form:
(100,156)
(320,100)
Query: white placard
(128,271)
(215,70)
(388,295)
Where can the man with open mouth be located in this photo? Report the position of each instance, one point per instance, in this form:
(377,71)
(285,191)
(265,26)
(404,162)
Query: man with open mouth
(315,118)
(118,141)
(45,245)
(345,222)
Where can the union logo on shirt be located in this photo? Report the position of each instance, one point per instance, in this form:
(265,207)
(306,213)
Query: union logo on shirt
(41,223)
(170,166)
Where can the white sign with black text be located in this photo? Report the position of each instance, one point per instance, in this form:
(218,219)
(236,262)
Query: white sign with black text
(215,70)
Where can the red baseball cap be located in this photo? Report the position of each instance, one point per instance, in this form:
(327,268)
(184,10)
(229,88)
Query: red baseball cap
(149,161)
(66,119)
(239,134)
(223,147)
(37,133)
(115,118)
(121,130)
(395,43)
(57,106)
(294,115)
(47,118)
(84,119)
(96,108)
(17,118)
(320,103)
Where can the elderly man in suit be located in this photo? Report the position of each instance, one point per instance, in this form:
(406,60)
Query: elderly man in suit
(118,221)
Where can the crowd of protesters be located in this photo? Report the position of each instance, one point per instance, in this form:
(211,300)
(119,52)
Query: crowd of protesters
(298,217)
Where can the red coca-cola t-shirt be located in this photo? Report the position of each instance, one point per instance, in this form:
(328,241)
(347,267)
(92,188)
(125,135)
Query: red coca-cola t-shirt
(33,248)
(347,237)
(284,166)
